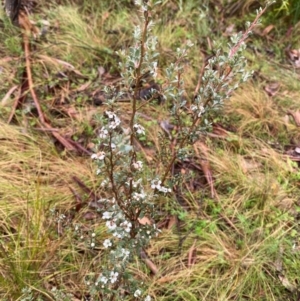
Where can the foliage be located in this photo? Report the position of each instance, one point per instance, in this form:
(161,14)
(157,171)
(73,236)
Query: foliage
(290,9)
(130,199)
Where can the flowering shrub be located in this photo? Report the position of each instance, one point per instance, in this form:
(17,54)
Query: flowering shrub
(133,192)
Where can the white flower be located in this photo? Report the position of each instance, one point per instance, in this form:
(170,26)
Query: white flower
(138,165)
(113,276)
(199,108)
(125,252)
(155,184)
(118,235)
(98,156)
(154,67)
(201,111)
(139,196)
(110,114)
(111,225)
(61,217)
(124,223)
(103,279)
(136,183)
(189,43)
(127,226)
(114,119)
(107,215)
(165,189)
(103,133)
(107,243)
(103,183)
(148,298)
(137,293)
(139,129)
(92,245)
(114,123)
(93,234)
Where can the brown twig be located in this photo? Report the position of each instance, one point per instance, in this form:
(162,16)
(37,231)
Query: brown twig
(27,30)
(200,75)
(149,262)
(22,93)
(86,189)
(192,255)
(27,83)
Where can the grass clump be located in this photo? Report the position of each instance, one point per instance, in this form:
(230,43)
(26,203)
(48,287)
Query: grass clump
(29,243)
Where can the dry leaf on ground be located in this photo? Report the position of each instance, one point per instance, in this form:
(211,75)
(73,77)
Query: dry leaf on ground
(173,220)
(267,30)
(294,57)
(249,165)
(272,88)
(192,255)
(285,282)
(229,31)
(149,263)
(202,152)
(296,116)
(144,221)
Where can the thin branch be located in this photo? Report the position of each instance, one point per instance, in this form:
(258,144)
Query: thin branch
(247,32)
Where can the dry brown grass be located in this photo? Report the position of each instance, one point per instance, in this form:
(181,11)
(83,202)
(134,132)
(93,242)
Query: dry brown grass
(33,179)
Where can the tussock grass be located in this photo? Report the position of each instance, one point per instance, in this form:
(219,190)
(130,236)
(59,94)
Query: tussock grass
(256,112)
(84,41)
(33,179)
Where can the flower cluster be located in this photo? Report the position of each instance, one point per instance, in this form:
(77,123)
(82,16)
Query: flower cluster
(98,156)
(103,133)
(138,293)
(129,201)
(138,165)
(107,243)
(156,185)
(113,120)
(116,223)
(198,110)
(112,277)
(140,130)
